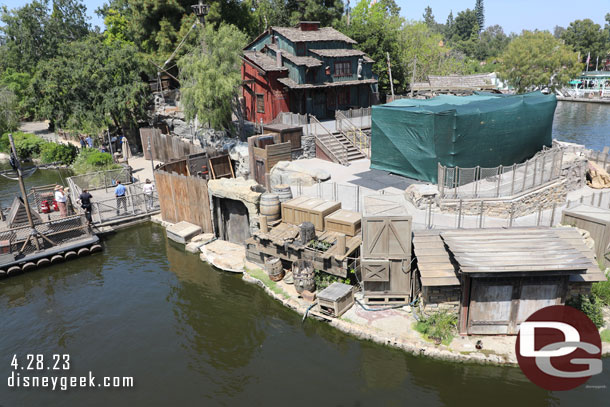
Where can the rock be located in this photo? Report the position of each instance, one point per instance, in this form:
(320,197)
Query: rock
(198,241)
(224,255)
(238,189)
(297,173)
(420,194)
(239,154)
(585,234)
(182,232)
(308,296)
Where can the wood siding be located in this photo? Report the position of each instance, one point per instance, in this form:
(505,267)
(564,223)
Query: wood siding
(165,148)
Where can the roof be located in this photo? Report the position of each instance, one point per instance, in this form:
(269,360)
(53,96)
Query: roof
(588,212)
(456,82)
(337,52)
(306,61)
(295,34)
(264,61)
(293,85)
(434,262)
(514,250)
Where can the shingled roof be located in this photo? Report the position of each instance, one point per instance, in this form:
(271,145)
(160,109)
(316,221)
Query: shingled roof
(295,34)
(457,82)
(306,61)
(264,61)
(293,85)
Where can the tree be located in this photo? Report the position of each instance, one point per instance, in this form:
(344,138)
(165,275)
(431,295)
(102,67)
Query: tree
(588,38)
(538,60)
(210,79)
(558,31)
(449,26)
(8,110)
(431,22)
(465,32)
(480,12)
(492,43)
(376,27)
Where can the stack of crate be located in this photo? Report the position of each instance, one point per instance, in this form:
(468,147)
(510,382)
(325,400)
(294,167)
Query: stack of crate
(386,250)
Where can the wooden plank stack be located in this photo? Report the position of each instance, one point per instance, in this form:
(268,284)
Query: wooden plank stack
(386,250)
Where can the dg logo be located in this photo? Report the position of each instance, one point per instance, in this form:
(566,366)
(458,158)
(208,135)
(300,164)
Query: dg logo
(559,348)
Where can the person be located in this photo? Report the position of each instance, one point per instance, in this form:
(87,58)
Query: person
(82,142)
(85,203)
(61,199)
(103,148)
(119,193)
(89,141)
(148,189)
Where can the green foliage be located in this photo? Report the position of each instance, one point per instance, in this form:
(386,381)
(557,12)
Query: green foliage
(211,79)
(605,334)
(465,32)
(538,60)
(58,153)
(602,291)
(91,160)
(323,279)
(479,10)
(586,37)
(272,285)
(27,145)
(591,306)
(117,27)
(492,43)
(9,118)
(441,325)
(18,83)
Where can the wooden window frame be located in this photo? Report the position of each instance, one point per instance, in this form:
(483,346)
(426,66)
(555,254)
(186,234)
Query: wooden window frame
(343,92)
(260,108)
(346,68)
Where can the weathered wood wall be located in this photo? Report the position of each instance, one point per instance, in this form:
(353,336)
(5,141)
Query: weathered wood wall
(164,147)
(184,199)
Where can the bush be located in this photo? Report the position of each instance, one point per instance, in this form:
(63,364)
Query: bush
(438,326)
(91,160)
(27,145)
(323,279)
(605,335)
(602,291)
(591,306)
(58,153)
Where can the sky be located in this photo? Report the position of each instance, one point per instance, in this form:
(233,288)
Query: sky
(512,15)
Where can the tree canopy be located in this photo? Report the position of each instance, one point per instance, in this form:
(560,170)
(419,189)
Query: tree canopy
(538,60)
(587,38)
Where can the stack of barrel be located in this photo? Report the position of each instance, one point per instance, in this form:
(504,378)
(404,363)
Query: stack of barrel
(270,205)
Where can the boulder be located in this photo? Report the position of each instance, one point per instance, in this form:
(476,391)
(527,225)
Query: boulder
(198,241)
(224,255)
(238,189)
(419,194)
(182,232)
(239,154)
(297,173)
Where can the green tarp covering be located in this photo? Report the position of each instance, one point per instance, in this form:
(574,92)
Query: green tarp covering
(410,136)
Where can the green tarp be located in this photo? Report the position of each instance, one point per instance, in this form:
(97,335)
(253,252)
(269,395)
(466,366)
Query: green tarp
(410,136)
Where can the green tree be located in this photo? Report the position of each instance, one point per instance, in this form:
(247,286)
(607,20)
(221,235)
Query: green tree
(18,83)
(327,12)
(587,38)
(449,26)
(465,32)
(492,42)
(558,31)
(376,28)
(210,78)
(538,60)
(8,110)
(431,22)
(479,10)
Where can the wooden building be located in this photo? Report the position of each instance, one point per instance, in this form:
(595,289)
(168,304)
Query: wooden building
(266,150)
(305,69)
(597,222)
(493,279)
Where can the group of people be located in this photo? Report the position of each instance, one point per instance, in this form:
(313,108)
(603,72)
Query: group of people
(120,193)
(117,144)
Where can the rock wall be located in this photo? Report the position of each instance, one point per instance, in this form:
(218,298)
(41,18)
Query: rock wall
(238,189)
(576,289)
(436,298)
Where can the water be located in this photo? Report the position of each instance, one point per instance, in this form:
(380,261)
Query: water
(10,188)
(192,335)
(583,123)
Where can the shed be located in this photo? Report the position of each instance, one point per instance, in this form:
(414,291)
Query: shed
(496,278)
(597,222)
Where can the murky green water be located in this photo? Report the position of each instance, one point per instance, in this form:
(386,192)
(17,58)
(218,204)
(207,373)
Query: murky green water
(192,335)
(583,123)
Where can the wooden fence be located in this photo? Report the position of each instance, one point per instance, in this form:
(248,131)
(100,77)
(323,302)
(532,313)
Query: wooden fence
(184,199)
(165,147)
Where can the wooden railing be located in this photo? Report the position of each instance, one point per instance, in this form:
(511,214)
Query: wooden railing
(327,141)
(354,134)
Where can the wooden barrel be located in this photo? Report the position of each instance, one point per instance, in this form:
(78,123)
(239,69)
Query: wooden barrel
(283,191)
(304,276)
(270,206)
(274,268)
(307,232)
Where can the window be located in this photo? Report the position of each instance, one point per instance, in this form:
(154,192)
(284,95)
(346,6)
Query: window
(343,96)
(300,49)
(343,68)
(260,103)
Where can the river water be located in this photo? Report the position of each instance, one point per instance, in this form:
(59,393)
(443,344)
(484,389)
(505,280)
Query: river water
(583,123)
(192,335)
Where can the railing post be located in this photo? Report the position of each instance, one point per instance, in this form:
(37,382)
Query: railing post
(511,214)
(477,179)
(499,181)
(542,168)
(459,225)
(481,216)
(535,172)
(512,184)
(553,214)
(525,175)
(539,218)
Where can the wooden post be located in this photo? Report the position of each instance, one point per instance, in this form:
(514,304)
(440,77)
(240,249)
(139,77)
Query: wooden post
(481,216)
(459,224)
(511,214)
(535,171)
(390,75)
(413,76)
(263,224)
(553,214)
(542,168)
(477,179)
(341,244)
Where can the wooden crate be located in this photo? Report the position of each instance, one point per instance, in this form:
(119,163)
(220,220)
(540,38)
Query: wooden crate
(387,277)
(304,209)
(343,221)
(386,227)
(597,222)
(335,299)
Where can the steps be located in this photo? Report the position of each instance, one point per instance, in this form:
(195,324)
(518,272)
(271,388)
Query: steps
(353,153)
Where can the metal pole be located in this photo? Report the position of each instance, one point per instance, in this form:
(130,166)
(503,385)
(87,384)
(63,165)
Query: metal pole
(24,195)
(110,144)
(481,217)
(459,225)
(390,75)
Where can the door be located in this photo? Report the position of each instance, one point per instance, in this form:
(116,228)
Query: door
(490,307)
(259,172)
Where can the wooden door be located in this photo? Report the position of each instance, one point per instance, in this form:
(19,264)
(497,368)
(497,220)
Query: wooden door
(259,172)
(535,296)
(490,307)
(387,238)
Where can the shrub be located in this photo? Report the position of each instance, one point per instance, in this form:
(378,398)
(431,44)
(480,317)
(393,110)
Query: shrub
(91,160)
(602,291)
(27,145)
(591,306)
(605,335)
(323,279)
(440,325)
(58,153)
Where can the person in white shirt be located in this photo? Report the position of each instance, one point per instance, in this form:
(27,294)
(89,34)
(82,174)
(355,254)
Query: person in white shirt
(61,200)
(148,189)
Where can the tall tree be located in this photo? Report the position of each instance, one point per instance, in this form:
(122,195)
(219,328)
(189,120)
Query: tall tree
(449,26)
(558,31)
(465,32)
(538,60)
(492,42)
(588,38)
(210,79)
(479,9)
(9,118)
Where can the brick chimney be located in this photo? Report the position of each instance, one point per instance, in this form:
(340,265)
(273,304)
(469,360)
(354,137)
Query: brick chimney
(309,25)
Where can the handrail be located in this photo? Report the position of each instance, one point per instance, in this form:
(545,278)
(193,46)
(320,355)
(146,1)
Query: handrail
(354,134)
(338,151)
